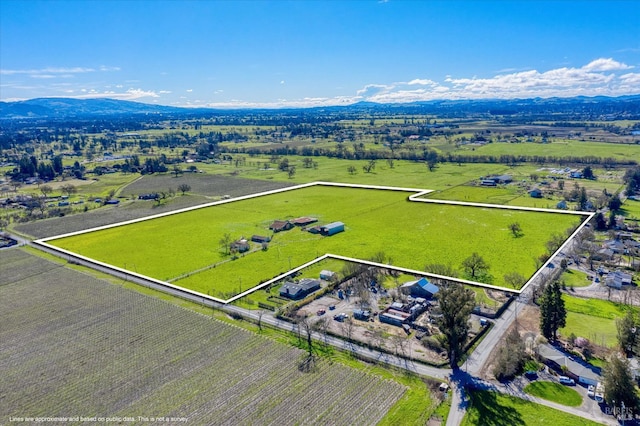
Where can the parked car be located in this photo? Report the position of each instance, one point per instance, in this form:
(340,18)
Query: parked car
(591,391)
(340,317)
(531,375)
(566,381)
(321,312)
(332,307)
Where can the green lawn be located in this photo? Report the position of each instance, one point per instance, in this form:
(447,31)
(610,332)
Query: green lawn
(574,278)
(593,319)
(412,234)
(494,409)
(552,391)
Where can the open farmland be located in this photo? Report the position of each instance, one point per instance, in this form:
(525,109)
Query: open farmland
(203,184)
(185,250)
(73,345)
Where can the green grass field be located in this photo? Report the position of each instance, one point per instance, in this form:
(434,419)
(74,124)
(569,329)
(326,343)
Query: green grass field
(559,148)
(575,278)
(494,409)
(593,319)
(552,391)
(412,234)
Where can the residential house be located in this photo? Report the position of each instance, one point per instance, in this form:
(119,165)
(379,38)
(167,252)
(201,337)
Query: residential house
(618,279)
(240,246)
(302,288)
(563,362)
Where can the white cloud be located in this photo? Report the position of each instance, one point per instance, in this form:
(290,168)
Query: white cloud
(129,95)
(422,82)
(53,71)
(189,90)
(607,64)
(599,77)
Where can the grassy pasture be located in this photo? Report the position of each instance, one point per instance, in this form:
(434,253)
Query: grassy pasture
(410,233)
(491,408)
(404,173)
(559,148)
(575,278)
(593,319)
(552,391)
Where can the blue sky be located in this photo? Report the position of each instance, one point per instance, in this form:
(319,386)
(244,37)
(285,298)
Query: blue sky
(308,53)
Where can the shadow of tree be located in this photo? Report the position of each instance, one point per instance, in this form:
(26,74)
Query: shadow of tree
(485,409)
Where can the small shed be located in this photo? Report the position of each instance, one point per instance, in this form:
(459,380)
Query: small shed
(327,275)
(280,225)
(304,221)
(332,228)
(260,239)
(535,193)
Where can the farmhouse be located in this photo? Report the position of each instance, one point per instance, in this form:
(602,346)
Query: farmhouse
(332,228)
(240,246)
(281,225)
(304,287)
(562,362)
(496,180)
(420,288)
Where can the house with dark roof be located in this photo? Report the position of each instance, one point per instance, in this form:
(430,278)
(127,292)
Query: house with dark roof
(618,279)
(260,239)
(300,289)
(561,361)
(535,193)
(240,246)
(280,225)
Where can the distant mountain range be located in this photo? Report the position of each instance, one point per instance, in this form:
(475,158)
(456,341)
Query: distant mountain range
(64,108)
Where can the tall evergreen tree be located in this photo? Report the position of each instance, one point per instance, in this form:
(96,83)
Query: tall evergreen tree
(456,303)
(553,314)
(619,389)
(628,329)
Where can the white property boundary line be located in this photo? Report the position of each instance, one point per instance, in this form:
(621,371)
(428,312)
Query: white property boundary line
(415,197)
